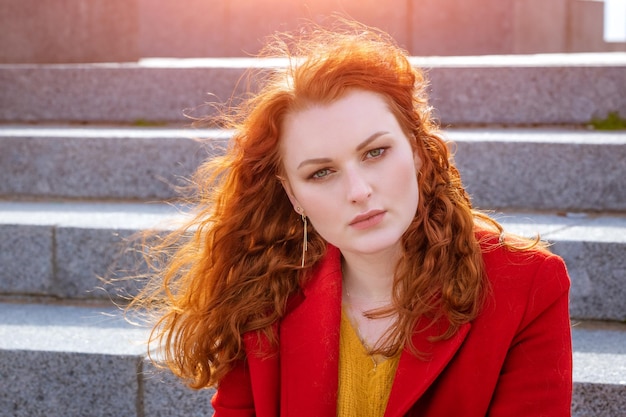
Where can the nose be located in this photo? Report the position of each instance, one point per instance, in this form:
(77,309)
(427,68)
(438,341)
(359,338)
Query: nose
(357,185)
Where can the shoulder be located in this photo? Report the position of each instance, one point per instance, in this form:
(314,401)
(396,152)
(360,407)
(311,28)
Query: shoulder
(528,280)
(502,261)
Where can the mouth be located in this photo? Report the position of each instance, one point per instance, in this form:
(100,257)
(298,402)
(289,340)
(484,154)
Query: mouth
(369,219)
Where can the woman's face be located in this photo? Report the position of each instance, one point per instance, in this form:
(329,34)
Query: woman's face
(350,168)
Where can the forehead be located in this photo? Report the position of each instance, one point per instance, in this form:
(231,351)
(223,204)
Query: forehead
(352,117)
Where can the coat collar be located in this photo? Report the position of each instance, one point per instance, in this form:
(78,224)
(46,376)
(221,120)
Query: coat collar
(416,374)
(309,344)
(309,351)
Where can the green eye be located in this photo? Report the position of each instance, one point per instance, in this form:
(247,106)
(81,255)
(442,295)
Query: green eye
(375,153)
(321,173)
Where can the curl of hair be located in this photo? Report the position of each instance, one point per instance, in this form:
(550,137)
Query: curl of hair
(233,267)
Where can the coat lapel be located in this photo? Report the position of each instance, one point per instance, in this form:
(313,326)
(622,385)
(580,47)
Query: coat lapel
(309,344)
(309,351)
(414,374)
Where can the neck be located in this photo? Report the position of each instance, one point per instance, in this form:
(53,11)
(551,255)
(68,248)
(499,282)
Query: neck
(369,277)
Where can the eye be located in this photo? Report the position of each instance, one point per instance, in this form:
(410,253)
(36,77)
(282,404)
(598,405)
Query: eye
(320,174)
(374,153)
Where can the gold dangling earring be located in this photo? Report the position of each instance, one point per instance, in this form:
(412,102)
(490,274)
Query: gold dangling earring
(305,235)
(305,239)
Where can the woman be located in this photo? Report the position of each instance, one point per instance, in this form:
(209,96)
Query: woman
(336,266)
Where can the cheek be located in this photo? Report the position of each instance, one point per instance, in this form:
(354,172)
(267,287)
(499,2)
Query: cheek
(405,176)
(314,203)
(407,189)
(322,211)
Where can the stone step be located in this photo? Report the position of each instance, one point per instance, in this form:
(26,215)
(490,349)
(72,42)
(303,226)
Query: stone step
(61,360)
(543,169)
(72,250)
(100,162)
(503,89)
(87,361)
(594,250)
(599,369)
(62,249)
(558,169)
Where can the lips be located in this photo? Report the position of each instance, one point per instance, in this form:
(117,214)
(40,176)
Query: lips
(368,219)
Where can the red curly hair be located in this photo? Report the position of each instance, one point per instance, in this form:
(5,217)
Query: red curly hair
(233,267)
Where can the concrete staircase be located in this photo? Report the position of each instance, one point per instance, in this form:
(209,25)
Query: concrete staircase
(80,174)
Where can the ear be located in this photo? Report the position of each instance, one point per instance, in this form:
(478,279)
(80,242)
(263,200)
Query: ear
(292,198)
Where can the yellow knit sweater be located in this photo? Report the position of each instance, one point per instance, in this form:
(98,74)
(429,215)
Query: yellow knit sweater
(364,381)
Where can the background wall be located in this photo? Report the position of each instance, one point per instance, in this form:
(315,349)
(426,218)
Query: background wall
(66,31)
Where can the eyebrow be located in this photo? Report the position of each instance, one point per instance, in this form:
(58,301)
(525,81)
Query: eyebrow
(359,147)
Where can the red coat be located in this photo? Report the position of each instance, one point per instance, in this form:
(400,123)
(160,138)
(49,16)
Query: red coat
(514,359)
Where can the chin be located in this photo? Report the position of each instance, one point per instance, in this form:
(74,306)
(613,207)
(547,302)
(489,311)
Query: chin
(377,245)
